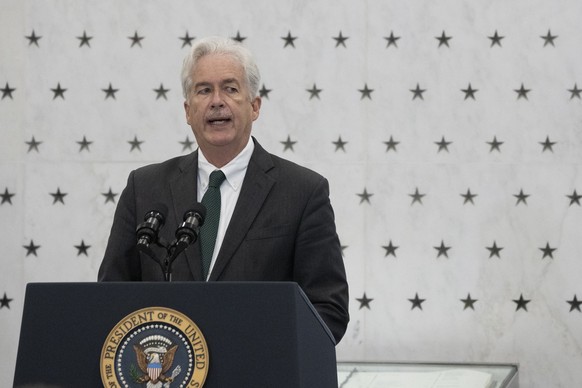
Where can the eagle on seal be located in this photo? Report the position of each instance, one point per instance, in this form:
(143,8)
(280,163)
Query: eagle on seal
(154,365)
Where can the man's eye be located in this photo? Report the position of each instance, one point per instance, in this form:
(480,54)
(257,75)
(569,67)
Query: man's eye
(203,91)
(231,89)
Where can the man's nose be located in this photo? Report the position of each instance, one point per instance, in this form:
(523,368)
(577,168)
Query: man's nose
(217,99)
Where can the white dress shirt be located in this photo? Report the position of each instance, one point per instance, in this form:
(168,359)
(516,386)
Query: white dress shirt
(235,172)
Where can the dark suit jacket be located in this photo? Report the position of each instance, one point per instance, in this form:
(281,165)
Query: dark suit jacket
(282,229)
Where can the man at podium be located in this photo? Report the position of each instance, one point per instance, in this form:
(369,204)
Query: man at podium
(267,219)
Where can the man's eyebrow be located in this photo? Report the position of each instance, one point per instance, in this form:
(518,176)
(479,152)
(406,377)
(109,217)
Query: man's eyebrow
(202,83)
(223,82)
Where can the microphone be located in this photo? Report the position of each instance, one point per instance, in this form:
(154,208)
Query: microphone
(187,232)
(147,231)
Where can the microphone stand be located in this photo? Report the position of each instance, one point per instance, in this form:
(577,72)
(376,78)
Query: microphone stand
(186,234)
(172,252)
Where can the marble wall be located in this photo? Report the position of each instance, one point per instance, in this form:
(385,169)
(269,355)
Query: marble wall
(450,132)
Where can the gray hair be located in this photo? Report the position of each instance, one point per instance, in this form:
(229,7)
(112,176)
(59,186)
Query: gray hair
(219,45)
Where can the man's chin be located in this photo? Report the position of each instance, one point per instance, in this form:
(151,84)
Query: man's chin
(221,139)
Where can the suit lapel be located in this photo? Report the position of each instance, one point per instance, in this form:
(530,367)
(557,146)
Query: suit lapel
(184,192)
(256,187)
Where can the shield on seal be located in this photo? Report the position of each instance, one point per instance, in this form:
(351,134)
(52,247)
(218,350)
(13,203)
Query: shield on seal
(154,368)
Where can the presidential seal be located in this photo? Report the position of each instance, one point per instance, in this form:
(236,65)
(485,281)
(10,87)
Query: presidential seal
(155,347)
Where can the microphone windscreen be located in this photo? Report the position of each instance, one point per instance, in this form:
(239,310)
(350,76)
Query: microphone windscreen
(198,208)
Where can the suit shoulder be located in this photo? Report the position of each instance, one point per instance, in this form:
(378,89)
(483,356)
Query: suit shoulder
(293,171)
(173,164)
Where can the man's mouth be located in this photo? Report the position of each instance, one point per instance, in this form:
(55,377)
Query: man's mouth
(218,120)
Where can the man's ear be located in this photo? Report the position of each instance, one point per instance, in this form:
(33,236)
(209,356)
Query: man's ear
(187,111)
(256,105)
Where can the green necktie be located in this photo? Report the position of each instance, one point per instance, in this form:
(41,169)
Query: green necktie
(209,229)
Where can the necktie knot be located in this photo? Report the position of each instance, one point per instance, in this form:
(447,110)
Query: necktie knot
(216,178)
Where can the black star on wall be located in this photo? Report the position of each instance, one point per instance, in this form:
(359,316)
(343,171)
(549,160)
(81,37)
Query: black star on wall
(364,301)
(31,248)
(6,196)
(135,39)
(187,144)
(575,92)
(264,92)
(84,144)
(58,196)
(187,40)
(390,249)
(5,302)
(521,303)
(469,302)
(496,39)
(365,196)
(340,144)
(442,250)
(288,144)
(522,92)
(343,248)
(366,92)
(135,144)
(547,144)
(33,144)
(416,302)
(340,39)
(391,40)
(391,144)
(416,197)
(548,251)
(109,196)
(495,144)
(443,144)
(82,248)
(468,197)
(314,92)
(521,197)
(549,38)
(574,304)
(84,39)
(469,92)
(33,39)
(443,39)
(161,92)
(110,92)
(494,250)
(289,40)
(574,198)
(417,92)
(59,91)
(7,91)
(238,37)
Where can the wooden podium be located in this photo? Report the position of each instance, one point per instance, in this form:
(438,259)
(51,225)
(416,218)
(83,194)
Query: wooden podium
(257,334)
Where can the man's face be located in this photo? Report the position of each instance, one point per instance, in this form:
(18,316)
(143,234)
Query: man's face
(219,108)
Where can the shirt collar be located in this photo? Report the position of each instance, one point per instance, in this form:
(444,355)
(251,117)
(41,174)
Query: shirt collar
(234,171)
